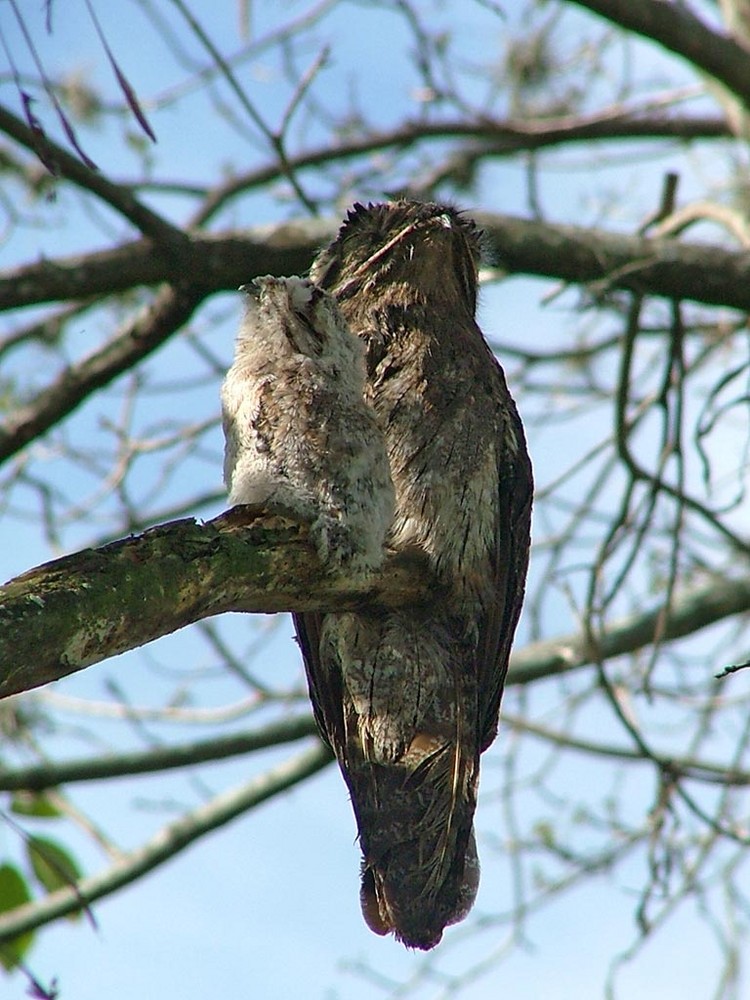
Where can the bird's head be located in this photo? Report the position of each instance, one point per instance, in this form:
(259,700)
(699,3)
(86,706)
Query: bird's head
(428,250)
(295,316)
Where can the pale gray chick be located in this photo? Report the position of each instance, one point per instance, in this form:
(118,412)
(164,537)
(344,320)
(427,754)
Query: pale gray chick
(298,431)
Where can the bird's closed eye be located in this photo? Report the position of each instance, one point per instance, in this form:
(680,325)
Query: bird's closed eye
(314,333)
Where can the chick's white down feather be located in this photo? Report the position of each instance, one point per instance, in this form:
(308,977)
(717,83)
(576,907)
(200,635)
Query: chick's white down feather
(298,431)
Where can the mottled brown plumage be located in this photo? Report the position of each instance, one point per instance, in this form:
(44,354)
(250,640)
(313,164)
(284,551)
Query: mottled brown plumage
(409,699)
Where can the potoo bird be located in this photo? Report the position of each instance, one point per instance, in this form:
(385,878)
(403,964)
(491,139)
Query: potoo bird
(409,698)
(298,431)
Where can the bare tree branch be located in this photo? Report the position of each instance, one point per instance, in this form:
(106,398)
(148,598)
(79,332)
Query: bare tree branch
(120,198)
(170,309)
(493,137)
(702,272)
(689,612)
(687,767)
(675,270)
(167,843)
(696,271)
(209,263)
(54,773)
(673,25)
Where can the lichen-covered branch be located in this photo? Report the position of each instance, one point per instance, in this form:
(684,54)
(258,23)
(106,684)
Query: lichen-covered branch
(81,609)
(76,611)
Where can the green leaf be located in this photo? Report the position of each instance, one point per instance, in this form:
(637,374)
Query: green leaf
(14,891)
(34,804)
(52,864)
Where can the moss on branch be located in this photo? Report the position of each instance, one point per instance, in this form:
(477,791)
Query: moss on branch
(76,611)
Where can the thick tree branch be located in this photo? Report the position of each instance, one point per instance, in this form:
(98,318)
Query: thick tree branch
(81,609)
(168,842)
(209,262)
(73,612)
(674,270)
(673,25)
(701,272)
(206,264)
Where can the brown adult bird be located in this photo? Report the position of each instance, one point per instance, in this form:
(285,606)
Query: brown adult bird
(408,699)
